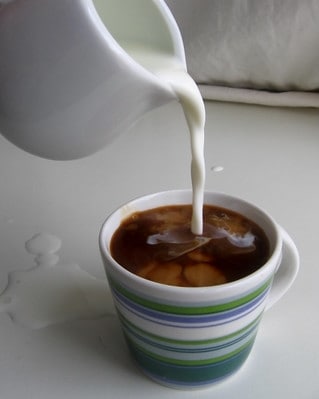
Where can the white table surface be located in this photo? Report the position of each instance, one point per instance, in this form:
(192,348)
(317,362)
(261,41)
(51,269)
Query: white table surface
(270,156)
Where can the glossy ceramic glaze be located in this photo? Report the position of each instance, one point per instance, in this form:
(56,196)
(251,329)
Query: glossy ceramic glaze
(192,337)
(67,85)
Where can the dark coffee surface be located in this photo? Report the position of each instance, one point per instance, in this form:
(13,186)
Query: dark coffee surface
(146,244)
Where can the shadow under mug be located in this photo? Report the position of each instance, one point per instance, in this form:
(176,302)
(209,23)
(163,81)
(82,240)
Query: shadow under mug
(191,337)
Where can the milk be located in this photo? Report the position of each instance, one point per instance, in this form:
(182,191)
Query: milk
(52,291)
(168,69)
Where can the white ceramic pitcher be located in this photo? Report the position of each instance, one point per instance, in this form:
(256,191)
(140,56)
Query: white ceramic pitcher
(67,86)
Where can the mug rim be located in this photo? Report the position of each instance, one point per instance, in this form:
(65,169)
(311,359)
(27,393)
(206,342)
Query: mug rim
(251,279)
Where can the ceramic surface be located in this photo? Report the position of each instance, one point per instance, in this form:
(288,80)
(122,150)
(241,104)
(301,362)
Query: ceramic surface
(191,337)
(67,86)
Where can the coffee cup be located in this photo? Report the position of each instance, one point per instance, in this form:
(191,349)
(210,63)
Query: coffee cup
(192,337)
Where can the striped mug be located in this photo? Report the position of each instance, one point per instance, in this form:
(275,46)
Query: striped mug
(191,337)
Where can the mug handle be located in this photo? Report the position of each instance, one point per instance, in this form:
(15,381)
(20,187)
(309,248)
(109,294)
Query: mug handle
(286,271)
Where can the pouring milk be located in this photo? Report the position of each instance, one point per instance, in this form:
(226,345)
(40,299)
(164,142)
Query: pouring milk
(169,69)
(186,90)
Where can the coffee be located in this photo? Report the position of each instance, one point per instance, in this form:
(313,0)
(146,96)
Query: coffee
(158,245)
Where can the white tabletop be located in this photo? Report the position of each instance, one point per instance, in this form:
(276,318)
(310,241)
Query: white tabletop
(269,156)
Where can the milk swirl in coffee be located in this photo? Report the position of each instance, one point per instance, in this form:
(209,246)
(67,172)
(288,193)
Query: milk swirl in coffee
(145,244)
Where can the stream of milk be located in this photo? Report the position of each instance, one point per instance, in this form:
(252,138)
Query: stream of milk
(172,72)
